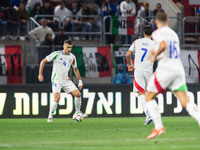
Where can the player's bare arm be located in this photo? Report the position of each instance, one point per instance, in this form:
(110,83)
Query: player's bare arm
(128,59)
(42,63)
(76,72)
(161,48)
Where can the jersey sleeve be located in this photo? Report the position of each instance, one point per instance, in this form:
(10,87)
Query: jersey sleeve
(132,47)
(74,63)
(52,56)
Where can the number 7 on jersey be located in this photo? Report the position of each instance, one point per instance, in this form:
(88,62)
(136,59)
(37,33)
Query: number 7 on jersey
(145,52)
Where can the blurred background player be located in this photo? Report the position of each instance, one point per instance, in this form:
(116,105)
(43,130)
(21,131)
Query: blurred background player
(143,66)
(62,61)
(169,74)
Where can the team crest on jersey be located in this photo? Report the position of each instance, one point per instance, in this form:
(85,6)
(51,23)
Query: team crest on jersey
(61,59)
(64,63)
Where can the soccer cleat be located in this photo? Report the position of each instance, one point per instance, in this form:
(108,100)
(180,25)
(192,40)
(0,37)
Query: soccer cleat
(156,133)
(148,121)
(84,115)
(49,119)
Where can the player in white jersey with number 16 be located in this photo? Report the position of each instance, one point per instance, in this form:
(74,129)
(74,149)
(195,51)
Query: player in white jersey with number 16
(169,74)
(62,61)
(143,68)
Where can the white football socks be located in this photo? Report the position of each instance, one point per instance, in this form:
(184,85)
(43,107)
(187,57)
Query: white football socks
(153,109)
(193,111)
(77,102)
(142,102)
(52,109)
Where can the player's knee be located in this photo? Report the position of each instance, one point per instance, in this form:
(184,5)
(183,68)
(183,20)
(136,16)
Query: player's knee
(57,98)
(78,95)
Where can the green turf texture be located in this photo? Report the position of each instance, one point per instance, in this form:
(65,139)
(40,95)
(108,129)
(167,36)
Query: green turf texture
(97,134)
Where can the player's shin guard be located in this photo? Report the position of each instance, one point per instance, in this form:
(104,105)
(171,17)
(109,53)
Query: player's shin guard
(152,106)
(77,102)
(52,109)
(142,102)
(193,111)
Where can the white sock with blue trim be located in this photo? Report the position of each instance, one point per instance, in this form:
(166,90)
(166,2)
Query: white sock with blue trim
(52,109)
(153,108)
(193,111)
(77,103)
(142,102)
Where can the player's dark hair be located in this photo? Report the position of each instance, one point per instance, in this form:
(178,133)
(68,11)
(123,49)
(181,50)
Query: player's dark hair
(161,16)
(147,29)
(68,41)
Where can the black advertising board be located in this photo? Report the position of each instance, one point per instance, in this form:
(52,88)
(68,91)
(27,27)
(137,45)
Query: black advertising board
(33,101)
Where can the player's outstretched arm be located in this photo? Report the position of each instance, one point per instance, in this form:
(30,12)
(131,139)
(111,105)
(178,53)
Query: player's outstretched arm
(42,63)
(128,59)
(161,48)
(80,83)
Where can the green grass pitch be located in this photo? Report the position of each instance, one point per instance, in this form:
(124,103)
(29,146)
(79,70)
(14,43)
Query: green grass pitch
(97,134)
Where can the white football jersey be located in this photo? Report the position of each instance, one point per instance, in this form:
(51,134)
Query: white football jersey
(171,38)
(142,48)
(61,65)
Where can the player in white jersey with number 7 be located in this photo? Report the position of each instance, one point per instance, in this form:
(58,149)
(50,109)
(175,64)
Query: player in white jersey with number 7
(169,74)
(62,61)
(143,68)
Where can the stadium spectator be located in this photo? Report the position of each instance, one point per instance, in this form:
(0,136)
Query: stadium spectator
(31,3)
(145,15)
(48,11)
(122,77)
(158,9)
(198,14)
(39,33)
(36,10)
(107,9)
(9,20)
(90,21)
(127,8)
(47,46)
(3,23)
(4,4)
(62,12)
(75,21)
(60,38)
(181,7)
(155,11)
(22,15)
(15,3)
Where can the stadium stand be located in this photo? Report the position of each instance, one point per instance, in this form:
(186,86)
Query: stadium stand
(178,23)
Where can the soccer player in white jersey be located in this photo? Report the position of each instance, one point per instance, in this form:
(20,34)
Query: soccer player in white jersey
(143,68)
(62,61)
(169,74)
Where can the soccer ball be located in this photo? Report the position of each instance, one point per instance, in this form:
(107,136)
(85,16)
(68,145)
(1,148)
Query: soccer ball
(78,117)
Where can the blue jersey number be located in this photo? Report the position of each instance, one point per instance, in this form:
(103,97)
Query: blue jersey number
(145,52)
(173,52)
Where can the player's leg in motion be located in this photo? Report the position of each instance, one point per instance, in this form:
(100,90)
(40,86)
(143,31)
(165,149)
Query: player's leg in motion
(142,101)
(77,102)
(191,107)
(139,86)
(53,106)
(155,115)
